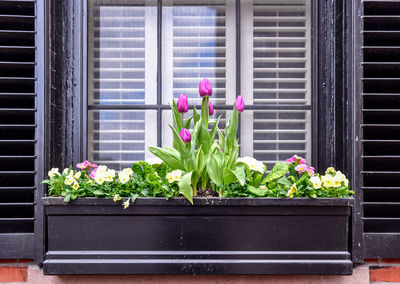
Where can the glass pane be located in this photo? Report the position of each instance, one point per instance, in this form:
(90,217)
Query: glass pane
(198,43)
(279,135)
(119,137)
(281,52)
(121,64)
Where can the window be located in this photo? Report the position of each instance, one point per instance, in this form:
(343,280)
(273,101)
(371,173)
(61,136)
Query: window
(138,59)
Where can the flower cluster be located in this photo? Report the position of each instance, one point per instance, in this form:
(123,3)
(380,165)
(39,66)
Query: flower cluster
(300,165)
(253,164)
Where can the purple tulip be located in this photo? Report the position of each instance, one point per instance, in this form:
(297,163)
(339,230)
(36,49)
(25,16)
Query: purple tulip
(185,135)
(239,104)
(210,108)
(205,88)
(183,105)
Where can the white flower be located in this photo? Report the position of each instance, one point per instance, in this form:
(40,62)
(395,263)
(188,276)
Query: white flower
(154,161)
(99,177)
(126,203)
(316,182)
(174,176)
(123,177)
(327,180)
(65,171)
(76,185)
(69,180)
(116,197)
(101,169)
(77,175)
(253,164)
(53,172)
(109,176)
(127,171)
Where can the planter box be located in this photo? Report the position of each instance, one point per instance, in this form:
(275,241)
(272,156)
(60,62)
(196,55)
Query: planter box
(214,236)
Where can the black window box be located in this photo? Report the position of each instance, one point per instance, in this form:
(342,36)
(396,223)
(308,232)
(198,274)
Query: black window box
(213,236)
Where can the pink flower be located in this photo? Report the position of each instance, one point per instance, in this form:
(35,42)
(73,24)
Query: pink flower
(205,88)
(301,168)
(81,166)
(183,105)
(239,104)
(185,135)
(310,171)
(210,108)
(93,165)
(296,159)
(85,165)
(93,173)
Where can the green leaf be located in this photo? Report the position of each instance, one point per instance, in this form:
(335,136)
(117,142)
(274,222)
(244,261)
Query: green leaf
(231,176)
(200,161)
(170,156)
(221,138)
(277,171)
(214,170)
(204,111)
(214,128)
(284,181)
(203,138)
(67,198)
(98,192)
(187,122)
(176,116)
(257,191)
(196,116)
(134,197)
(185,186)
(179,144)
(137,169)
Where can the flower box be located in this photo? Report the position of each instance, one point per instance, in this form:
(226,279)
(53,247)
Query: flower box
(213,236)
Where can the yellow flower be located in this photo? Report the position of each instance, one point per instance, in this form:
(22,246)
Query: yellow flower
(76,185)
(116,197)
(174,176)
(327,181)
(337,182)
(69,180)
(126,203)
(77,175)
(292,190)
(330,170)
(123,177)
(53,172)
(110,174)
(316,182)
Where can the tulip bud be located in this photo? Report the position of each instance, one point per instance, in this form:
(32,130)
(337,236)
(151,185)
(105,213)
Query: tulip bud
(210,108)
(182,104)
(239,104)
(185,135)
(205,88)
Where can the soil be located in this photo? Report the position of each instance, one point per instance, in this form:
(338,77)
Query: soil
(206,193)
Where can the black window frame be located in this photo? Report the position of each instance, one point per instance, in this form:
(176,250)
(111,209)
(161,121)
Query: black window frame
(332,87)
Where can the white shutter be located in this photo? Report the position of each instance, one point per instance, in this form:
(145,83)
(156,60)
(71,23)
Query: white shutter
(276,71)
(122,71)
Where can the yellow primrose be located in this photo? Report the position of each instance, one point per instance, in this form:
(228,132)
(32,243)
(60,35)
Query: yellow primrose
(292,190)
(327,180)
(76,185)
(123,177)
(126,203)
(116,197)
(99,178)
(69,180)
(109,176)
(316,182)
(337,182)
(53,172)
(330,170)
(174,176)
(77,175)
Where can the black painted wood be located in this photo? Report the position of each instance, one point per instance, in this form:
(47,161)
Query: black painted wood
(378,118)
(214,236)
(18,127)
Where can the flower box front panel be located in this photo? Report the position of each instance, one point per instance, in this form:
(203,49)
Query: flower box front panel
(214,236)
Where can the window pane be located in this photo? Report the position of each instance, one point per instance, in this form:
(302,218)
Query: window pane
(198,43)
(276,72)
(119,137)
(121,63)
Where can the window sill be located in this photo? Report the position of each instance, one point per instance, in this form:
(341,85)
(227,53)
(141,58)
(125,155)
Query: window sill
(214,236)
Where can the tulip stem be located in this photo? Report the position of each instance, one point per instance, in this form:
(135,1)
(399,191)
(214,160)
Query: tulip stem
(183,125)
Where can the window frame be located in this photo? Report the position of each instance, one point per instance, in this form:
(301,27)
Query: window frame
(332,80)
